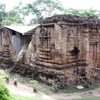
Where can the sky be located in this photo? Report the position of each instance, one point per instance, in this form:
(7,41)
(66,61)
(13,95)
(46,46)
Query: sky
(77,4)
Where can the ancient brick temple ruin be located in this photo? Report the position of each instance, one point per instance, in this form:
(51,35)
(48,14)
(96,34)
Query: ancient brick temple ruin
(65,49)
(6,49)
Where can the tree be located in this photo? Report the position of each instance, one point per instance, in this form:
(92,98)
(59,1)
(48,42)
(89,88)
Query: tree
(2,13)
(90,12)
(41,9)
(12,17)
(9,17)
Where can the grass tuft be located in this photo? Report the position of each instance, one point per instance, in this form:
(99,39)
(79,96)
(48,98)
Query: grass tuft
(19,97)
(94,98)
(75,90)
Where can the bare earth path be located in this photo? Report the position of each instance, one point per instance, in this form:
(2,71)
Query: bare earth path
(87,94)
(24,90)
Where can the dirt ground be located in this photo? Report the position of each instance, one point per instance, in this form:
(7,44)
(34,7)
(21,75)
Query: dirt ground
(25,88)
(45,93)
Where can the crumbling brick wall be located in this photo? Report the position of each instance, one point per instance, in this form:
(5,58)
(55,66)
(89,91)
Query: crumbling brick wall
(66,48)
(6,48)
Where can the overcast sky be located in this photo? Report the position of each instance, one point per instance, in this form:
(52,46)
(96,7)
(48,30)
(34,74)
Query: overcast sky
(79,4)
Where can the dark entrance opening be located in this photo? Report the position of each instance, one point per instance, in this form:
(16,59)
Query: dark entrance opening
(75,51)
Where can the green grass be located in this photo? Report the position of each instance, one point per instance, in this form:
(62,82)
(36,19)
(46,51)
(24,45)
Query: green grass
(3,75)
(18,97)
(75,90)
(94,98)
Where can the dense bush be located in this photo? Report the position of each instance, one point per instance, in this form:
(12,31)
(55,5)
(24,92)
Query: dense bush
(4,92)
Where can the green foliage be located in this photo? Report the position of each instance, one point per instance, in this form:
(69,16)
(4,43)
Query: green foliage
(4,93)
(93,98)
(3,75)
(2,13)
(89,12)
(14,80)
(12,17)
(19,97)
(19,7)
(74,89)
(41,9)
(9,17)
(55,87)
(34,82)
(14,58)
(38,10)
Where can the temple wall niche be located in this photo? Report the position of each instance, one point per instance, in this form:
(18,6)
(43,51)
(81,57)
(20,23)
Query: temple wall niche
(64,45)
(94,47)
(71,43)
(84,44)
(45,44)
(58,44)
